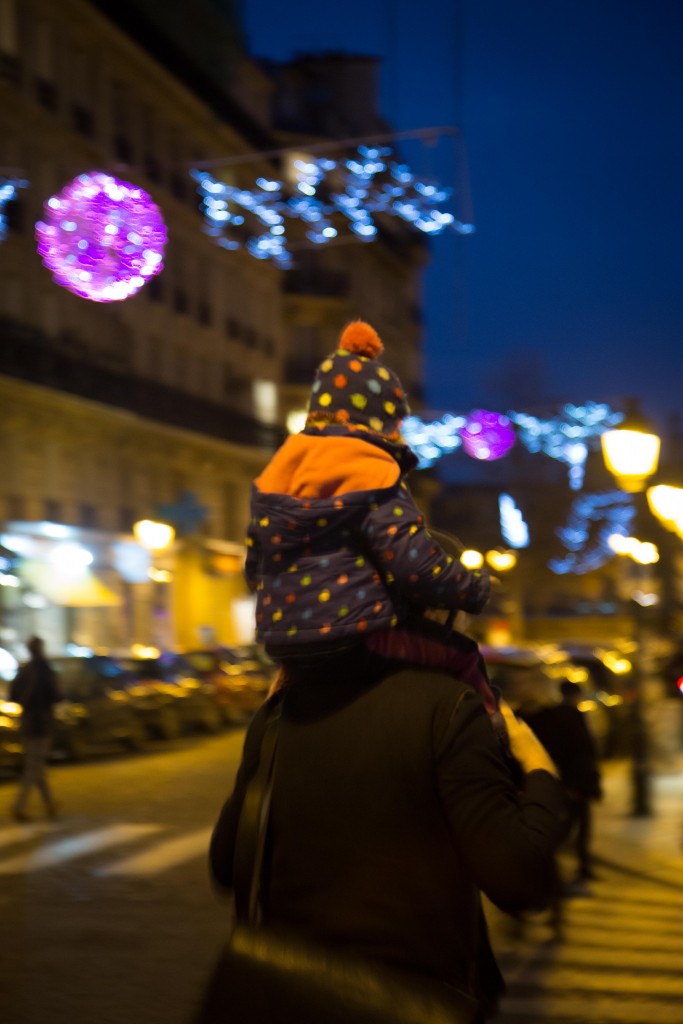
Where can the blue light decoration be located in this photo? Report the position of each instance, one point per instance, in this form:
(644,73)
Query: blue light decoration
(429,441)
(567,437)
(512,525)
(593,518)
(367,183)
(8,191)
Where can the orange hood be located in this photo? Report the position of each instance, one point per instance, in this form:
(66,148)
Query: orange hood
(324,467)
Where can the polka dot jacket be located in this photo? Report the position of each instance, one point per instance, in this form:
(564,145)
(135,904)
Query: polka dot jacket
(337,548)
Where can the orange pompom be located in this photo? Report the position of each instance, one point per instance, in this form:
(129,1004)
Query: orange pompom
(361,338)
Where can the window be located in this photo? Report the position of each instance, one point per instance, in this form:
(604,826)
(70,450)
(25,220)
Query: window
(44,66)
(88,516)
(82,91)
(151,146)
(53,510)
(154,289)
(178,178)
(233,327)
(180,300)
(205,290)
(120,116)
(9,41)
(16,507)
(126,519)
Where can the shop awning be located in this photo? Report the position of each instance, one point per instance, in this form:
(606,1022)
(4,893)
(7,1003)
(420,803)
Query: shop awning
(85,591)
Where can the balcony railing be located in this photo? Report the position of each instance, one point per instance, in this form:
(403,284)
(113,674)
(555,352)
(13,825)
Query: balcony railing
(28,354)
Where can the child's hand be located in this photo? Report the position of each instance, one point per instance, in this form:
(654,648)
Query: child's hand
(525,745)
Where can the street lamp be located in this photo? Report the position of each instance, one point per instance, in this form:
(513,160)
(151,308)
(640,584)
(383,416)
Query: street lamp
(631,454)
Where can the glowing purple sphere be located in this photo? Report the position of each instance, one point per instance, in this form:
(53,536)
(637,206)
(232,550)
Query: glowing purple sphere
(101,237)
(487,435)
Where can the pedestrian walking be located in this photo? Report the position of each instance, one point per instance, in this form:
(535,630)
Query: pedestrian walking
(563,731)
(35,689)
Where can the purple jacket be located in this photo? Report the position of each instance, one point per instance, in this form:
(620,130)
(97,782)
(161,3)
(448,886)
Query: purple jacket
(337,547)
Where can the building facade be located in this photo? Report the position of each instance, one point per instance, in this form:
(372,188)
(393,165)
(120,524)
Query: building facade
(165,405)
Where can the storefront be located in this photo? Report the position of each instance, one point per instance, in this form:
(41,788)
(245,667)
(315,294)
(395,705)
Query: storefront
(87,589)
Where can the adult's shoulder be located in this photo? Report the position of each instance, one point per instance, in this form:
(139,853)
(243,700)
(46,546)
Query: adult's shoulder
(435,683)
(445,701)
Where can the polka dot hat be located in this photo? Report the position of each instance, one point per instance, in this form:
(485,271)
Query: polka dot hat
(353,389)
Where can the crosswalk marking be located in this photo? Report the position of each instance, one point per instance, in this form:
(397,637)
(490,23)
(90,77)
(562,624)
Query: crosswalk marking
(12,834)
(541,1008)
(160,857)
(617,961)
(72,847)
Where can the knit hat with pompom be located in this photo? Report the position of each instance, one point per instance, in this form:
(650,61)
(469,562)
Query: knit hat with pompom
(353,389)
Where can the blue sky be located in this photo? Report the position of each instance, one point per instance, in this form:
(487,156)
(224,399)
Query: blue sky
(570,289)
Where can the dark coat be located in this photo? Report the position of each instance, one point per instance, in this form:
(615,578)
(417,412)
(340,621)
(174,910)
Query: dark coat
(35,688)
(563,731)
(337,548)
(391,809)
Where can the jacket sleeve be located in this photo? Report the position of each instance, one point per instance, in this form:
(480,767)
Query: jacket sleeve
(506,838)
(411,560)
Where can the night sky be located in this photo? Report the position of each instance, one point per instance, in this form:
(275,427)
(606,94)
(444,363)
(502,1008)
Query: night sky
(570,289)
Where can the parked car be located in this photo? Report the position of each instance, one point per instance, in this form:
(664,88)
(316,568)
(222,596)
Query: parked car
(11,751)
(525,673)
(97,711)
(175,698)
(239,680)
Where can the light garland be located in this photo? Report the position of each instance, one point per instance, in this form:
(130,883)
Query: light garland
(8,191)
(101,237)
(567,437)
(429,441)
(366,183)
(593,519)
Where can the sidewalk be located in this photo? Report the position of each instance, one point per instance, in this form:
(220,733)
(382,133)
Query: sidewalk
(651,846)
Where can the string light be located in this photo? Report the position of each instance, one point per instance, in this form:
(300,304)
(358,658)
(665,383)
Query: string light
(567,437)
(8,191)
(430,441)
(366,183)
(593,523)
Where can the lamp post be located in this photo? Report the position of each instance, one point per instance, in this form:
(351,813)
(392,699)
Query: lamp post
(631,454)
